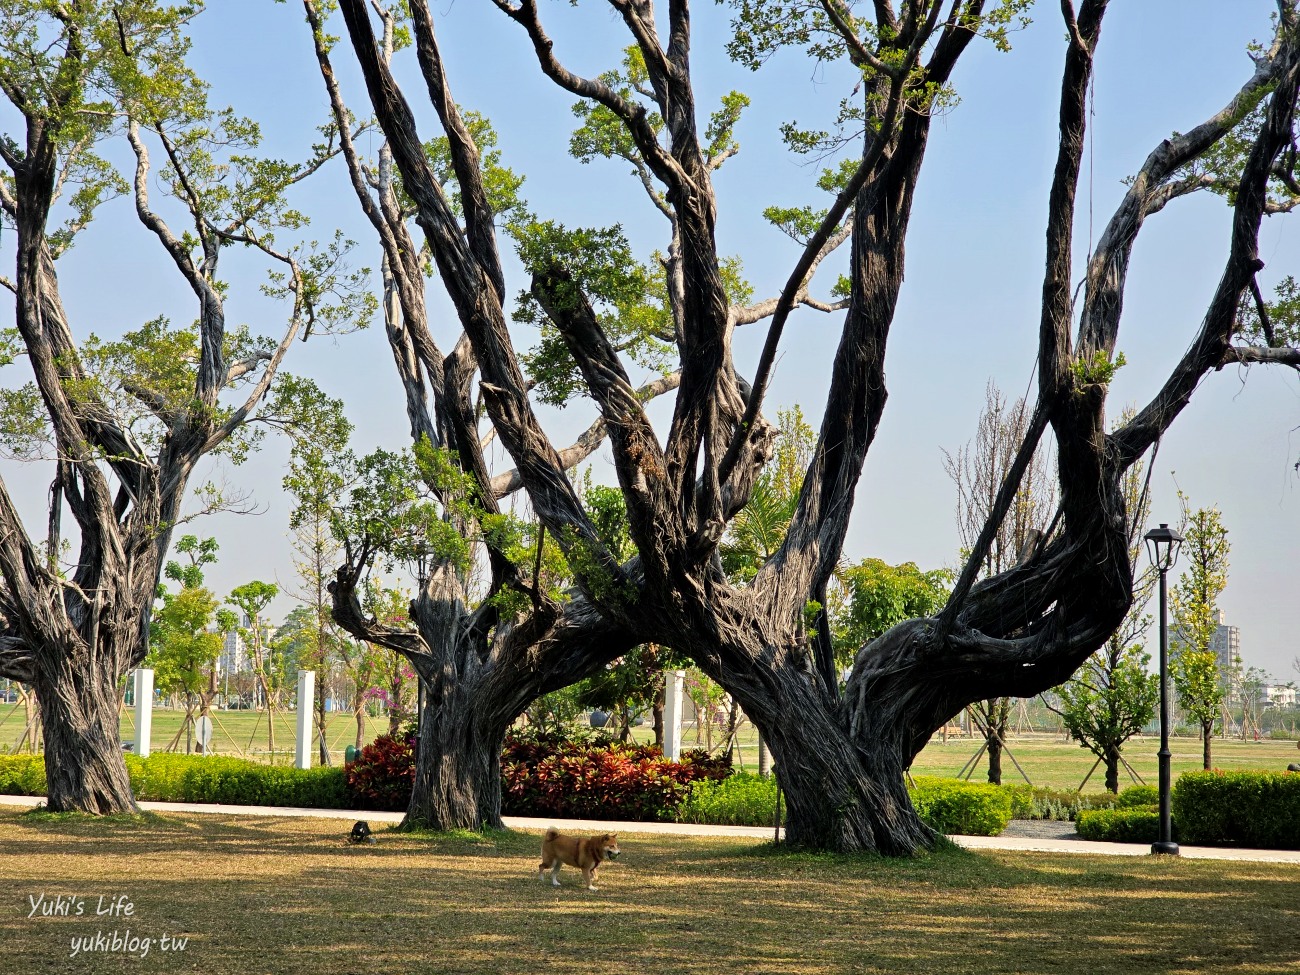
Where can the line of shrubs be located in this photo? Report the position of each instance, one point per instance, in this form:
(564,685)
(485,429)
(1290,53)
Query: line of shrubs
(600,779)
(192,778)
(1251,809)
(541,776)
(946,805)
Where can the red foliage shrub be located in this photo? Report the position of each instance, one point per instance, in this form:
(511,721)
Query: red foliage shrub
(555,777)
(382,774)
(550,775)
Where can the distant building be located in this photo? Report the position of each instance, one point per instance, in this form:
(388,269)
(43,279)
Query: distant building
(1226,644)
(234,654)
(234,651)
(1277,696)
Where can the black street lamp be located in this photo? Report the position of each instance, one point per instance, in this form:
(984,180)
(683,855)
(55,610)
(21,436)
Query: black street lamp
(422,555)
(1162,546)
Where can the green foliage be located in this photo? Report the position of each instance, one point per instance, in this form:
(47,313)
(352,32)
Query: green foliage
(1219,168)
(741,799)
(758,529)
(1097,370)
(763,27)
(253,597)
(628,684)
(1134,824)
(629,298)
(182,651)
(22,775)
(392,509)
(1110,698)
(964,808)
(165,777)
(235,781)
(1253,809)
(1194,607)
(601,134)
(25,432)
(501,183)
(555,713)
(1036,802)
(1283,316)
(881,596)
(1138,795)
(198,552)
(607,509)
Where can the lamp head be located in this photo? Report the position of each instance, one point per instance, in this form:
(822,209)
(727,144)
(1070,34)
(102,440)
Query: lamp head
(1163,544)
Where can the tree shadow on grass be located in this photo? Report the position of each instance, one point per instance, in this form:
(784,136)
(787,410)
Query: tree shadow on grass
(259,895)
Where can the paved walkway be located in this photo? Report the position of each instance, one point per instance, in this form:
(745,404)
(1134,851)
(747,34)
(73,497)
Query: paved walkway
(1038,844)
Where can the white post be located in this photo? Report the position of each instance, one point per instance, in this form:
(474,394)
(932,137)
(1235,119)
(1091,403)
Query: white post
(143,710)
(306,695)
(673,714)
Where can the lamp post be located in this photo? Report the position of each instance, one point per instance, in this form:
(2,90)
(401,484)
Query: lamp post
(1162,547)
(420,558)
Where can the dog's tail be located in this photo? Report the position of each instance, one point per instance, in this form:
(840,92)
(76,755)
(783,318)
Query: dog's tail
(551,833)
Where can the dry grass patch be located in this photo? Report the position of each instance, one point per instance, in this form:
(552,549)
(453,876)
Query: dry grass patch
(261,895)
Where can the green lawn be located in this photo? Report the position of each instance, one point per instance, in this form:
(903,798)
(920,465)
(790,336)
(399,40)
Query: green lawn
(1050,760)
(238,733)
(257,895)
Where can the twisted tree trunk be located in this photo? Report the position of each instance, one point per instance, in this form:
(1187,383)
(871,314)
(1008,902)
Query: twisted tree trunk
(458,762)
(1111,762)
(84,767)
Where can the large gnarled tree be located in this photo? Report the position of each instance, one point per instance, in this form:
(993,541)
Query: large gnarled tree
(123,421)
(840,755)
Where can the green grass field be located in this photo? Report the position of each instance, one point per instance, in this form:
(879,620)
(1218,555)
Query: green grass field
(1047,759)
(239,733)
(1052,761)
(253,896)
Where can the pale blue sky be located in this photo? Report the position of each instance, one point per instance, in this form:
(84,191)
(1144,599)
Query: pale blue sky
(969,310)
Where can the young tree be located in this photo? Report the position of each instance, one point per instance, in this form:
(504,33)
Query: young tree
(1194,605)
(978,470)
(321,467)
(184,646)
(123,422)
(251,599)
(840,755)
(879,596)
(1248,688)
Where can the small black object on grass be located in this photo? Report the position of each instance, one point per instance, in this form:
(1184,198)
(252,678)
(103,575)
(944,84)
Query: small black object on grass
(361,832)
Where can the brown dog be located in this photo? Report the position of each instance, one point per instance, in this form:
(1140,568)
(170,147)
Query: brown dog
(585,852)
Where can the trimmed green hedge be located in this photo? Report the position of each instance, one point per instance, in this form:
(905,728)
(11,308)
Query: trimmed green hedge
(1254,809)
(946,805)
(197,778)
(1132,824)
(965,808)
(22,775)
(741,799)
(235,781)
(1138,795)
